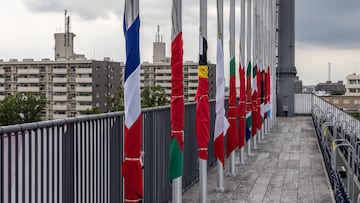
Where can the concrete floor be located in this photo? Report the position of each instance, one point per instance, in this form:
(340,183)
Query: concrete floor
(286,167)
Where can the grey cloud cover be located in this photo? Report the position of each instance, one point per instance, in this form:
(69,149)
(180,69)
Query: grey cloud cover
(328,23)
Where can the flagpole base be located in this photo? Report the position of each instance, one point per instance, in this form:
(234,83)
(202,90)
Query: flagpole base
(254,141)
(220,180)
(242,155)
(266,126)
(203,180)
(177,190)
(249,147)
(232,164)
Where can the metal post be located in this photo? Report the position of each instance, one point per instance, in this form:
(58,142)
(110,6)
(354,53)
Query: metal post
(232,164)
(254,140)
(249,146)
(242,155)
(203,180)
(220,179)
(177,190)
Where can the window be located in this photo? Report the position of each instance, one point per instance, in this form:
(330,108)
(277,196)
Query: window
(346,101)
(352,90)
(357,101)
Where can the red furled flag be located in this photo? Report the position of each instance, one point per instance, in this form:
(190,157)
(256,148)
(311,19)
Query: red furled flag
(242,106)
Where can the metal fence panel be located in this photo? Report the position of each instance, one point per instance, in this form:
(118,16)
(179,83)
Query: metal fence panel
(79,159)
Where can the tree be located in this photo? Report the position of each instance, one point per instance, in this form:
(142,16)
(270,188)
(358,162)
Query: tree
(94,110)
(21,108)
(117,101)
(153,96)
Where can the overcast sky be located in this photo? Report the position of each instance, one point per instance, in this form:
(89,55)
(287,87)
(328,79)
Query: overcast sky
(326,31)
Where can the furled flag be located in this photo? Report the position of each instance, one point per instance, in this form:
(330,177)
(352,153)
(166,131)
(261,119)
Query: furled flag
(202,102)
(254,109)
(221,123)
(177,94)
(131,167)
(248,102)
(268,87)
(258,99)
(242,105)
(232,136)
(264,94)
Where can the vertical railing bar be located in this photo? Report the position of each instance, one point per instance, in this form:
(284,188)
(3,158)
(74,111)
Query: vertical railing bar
(81,162)
(9,167)
(103,160)
(16,135)
(85,160)
(42,165)
(2,137)
(93,161)
(96,160)
(47,163)
(30,164)
(23,143)
(53,163)
(108,157)
(58,134)
(76,166)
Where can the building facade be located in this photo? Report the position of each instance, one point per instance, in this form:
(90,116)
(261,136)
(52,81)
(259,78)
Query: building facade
(347,103)
(337,88)
(70,86)
(352,85)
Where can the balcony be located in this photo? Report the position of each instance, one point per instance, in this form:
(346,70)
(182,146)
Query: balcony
(2,71)
(83,80)
(83,98)
(83,89)
(59,116)
(31,71)
(2,97)
(60,98)
(28,80)
(59,107)
(2,89)
(84,70)
(83,107)
(59,89)
(28,89)
(59,71)
(59,80)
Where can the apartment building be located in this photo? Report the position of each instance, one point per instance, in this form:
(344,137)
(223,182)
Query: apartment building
(159,73)
(352,85)
(70,86)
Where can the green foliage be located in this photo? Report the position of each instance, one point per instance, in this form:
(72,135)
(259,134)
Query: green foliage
(117,101)
(153,96)
(150,97)
(337,92)
(356,115)
(94,110)
(21,108)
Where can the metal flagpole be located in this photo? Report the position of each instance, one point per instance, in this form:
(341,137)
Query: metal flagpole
(220,166)
(242,55)
(248,47)
(232,56)
(203,162)
(254,57)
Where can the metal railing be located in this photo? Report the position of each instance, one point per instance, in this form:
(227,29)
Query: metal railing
(339,139)
(79,159)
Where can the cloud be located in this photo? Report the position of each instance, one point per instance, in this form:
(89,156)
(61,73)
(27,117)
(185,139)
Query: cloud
(328,23)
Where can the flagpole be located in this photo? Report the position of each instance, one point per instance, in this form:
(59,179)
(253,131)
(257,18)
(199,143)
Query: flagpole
(242,62)
(254,49)
(202,99)
(232,104)
(177,103)
(248,57)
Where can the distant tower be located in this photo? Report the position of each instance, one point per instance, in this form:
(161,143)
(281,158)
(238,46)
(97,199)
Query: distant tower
(64,42)
(329,79)
(159,47)
(286,58)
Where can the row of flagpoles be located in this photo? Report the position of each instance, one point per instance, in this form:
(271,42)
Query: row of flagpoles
(246,123)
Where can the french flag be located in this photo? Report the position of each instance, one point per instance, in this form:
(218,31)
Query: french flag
(131,167)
